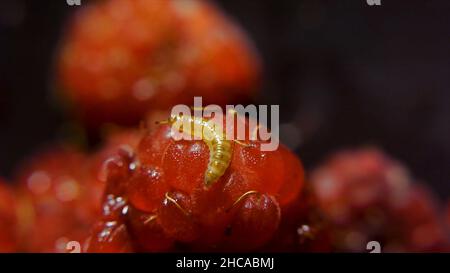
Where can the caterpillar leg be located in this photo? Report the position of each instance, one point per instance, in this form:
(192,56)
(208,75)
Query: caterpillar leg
(170,199)
(241,198)
(150,218)
(242,143)
(161,122)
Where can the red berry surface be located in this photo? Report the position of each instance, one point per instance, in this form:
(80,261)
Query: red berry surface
(123,58)
(168,206)
(256,221)
(55,202)
(8,219)
(368,196)
(60,192)
(111,237)
(121,140)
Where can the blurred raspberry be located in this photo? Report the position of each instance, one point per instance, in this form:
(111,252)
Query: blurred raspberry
(55,204)
(60,193)
(8,220)
(123,58)
(368,196)
(166,206)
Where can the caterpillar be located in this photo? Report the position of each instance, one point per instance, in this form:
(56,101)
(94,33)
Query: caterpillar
(220,149)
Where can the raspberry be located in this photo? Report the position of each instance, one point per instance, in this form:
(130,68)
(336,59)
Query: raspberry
(367,196)
(110,233)
(419,221)
(146,232)
(294,173)
(142,196)
(169,207)
(55,201)
(8,220)
(153,145)
(179,171)
(126,139)
(254,224)
(302,227)
(257,167)
(122,58)
(175,217)
(60,193)
(112,237)
(123,141)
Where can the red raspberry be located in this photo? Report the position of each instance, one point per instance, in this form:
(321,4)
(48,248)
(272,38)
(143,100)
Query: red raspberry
(8,219)
(302,227)
(169,207)
(55,203)
(146,232)
(125,141)
(293,172)
(367,196)
(417,217)
(61,192)
(112,237)
(254,224)
(175,218)
(122,58)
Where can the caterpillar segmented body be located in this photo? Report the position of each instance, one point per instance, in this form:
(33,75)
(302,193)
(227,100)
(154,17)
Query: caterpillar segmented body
(220,149)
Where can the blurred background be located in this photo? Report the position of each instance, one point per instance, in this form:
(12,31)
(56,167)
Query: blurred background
(344,73)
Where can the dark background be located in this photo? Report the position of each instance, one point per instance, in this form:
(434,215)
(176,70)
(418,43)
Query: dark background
(345,74)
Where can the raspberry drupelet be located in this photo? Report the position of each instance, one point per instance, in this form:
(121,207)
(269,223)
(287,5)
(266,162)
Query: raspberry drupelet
(122,58)
(367,196)
(157,195)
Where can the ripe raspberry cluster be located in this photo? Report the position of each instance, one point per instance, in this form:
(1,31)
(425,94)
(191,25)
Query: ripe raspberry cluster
(367,196)
(56,198)
(122,58)
(156,199)
(53,198)
(125,61)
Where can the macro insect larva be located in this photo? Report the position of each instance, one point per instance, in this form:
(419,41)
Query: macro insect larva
(220,149)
